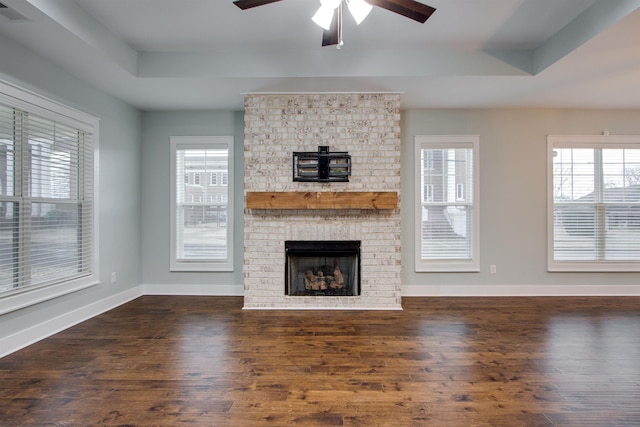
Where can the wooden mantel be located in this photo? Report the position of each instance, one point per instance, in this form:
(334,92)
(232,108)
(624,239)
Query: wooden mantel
(322,200)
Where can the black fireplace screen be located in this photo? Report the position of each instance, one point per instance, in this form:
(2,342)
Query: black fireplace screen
(330,268)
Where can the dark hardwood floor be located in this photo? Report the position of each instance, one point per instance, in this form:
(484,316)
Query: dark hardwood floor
(203,361)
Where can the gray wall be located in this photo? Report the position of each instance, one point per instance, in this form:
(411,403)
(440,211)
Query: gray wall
(512,199)
(119,182)
(157,127)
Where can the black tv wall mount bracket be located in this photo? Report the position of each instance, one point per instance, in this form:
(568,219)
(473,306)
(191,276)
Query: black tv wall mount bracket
(321,166)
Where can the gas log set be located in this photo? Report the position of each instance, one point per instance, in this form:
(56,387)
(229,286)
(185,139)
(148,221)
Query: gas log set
(322,268)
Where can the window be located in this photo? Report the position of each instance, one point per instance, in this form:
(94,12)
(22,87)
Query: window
(201,214)
(428,192)
(428,160)
(460,192)
(47,225)
(594,203)
(447,218)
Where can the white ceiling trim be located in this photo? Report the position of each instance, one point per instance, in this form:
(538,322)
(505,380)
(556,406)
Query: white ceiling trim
(429,77)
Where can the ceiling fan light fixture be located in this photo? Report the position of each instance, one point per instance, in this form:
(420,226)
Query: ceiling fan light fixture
(331,4)
(359,9)
(323,17)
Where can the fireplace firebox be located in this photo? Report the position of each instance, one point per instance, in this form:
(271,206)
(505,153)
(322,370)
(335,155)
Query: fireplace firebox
(322,268)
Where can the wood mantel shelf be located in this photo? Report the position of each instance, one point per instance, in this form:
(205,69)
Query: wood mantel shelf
(322,200)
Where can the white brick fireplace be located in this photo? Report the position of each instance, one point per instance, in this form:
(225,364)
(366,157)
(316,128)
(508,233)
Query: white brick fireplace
(367,126)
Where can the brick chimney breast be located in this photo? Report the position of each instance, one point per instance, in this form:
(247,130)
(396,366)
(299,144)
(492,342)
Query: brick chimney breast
(367,126)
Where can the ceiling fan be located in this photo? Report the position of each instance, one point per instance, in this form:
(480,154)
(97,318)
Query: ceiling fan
(329,16)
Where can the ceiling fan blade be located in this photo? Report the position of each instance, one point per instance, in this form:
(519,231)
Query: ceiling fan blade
(248,4)
(331,36)
(409,8)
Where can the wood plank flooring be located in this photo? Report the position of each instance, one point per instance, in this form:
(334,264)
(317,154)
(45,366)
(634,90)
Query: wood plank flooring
(203,361)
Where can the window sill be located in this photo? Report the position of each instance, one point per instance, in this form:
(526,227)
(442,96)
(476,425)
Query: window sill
(593,267)
(24,299)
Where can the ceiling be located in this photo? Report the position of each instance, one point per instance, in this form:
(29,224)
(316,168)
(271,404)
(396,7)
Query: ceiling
(205,54)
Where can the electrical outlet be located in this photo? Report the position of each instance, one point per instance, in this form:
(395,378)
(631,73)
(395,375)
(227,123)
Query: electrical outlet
(113,277)
(492,269)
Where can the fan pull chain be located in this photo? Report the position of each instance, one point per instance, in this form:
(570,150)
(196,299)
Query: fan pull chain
(340,42)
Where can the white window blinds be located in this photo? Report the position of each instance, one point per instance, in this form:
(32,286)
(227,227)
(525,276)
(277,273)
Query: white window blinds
(201,209)
(46,201)
(595,199)
(447,212)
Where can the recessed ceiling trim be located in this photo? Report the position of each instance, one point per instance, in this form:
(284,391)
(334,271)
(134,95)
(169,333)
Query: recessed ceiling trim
(593,21)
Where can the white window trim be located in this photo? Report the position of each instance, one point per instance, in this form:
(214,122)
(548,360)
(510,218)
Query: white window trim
(447,141)
(48,108)
(201,142)
(582,141)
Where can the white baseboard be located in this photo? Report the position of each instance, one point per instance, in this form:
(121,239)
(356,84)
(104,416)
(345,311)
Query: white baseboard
(197,290)
(518,290)
(25,337)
